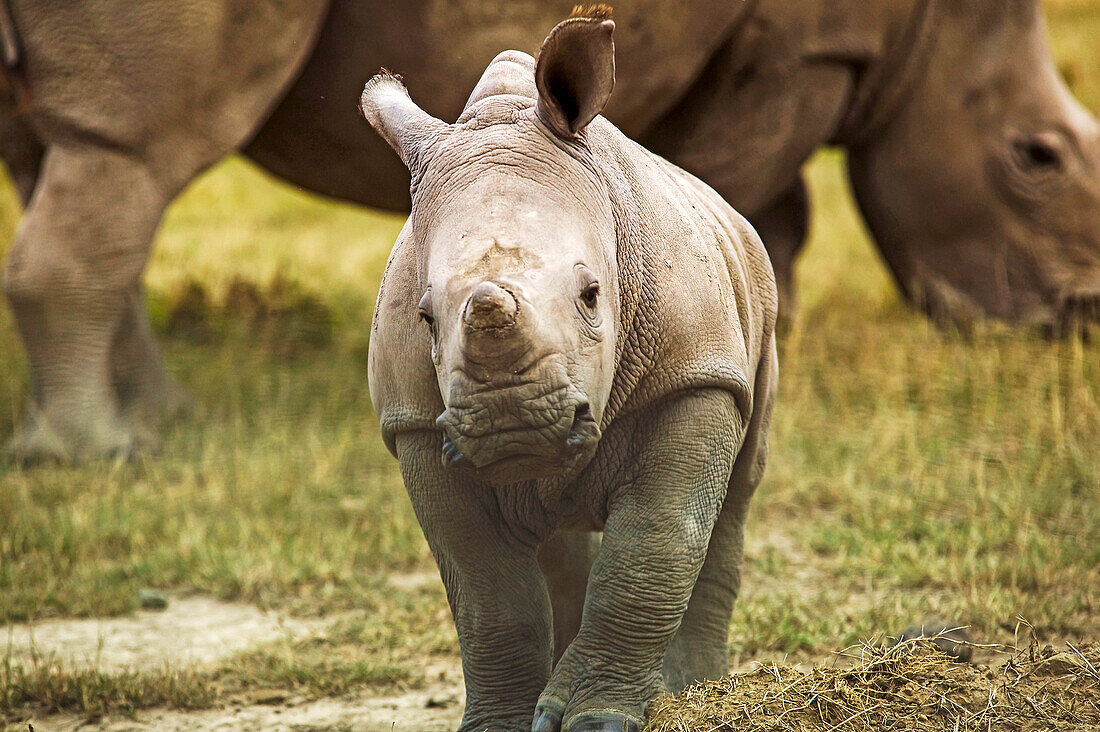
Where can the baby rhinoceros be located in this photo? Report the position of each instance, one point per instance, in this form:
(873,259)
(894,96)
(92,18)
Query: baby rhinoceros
(572,335)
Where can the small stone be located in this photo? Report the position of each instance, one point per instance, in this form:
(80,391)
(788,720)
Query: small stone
(440,702)
(268,697)
(152,600)
(949,638)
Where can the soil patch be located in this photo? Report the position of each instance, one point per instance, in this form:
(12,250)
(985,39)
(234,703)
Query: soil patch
(189,631)
(435,708)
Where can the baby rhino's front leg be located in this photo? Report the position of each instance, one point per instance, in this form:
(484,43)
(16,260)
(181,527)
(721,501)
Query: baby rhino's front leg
(497,595)
(655,541)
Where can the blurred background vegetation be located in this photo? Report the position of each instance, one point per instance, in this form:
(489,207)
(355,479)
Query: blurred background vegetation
(914,471)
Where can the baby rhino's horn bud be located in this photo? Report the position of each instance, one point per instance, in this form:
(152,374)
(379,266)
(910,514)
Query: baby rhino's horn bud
(490,306)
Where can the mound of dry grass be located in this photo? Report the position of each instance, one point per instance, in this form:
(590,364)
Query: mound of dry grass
(908,687)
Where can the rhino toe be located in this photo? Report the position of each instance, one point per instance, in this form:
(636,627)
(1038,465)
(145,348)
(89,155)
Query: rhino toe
(603,722)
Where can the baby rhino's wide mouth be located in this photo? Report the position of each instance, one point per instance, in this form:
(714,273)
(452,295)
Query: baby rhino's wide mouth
(519,432)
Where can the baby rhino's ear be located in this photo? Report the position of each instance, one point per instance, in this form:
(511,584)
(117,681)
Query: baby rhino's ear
(406,127)
(576,72)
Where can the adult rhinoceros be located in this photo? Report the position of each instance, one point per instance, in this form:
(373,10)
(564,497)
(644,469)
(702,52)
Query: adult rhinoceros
(976,170)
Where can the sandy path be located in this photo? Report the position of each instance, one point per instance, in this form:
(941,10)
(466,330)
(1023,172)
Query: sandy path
(437,708)
(191,630)
(201,630)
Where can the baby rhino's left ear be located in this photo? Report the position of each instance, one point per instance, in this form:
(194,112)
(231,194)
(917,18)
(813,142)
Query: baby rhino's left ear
(408,129)
(575,72)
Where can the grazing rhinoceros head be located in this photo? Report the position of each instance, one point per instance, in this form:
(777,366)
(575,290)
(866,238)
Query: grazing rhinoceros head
(516,251)
(983,191)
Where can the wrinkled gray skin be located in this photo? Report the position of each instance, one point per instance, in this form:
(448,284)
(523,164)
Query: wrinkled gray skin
(572,335)
(976,171)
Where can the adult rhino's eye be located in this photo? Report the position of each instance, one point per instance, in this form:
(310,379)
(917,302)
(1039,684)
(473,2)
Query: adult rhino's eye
(1040,154)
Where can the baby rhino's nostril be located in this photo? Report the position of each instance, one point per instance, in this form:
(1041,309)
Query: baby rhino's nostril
(584,430)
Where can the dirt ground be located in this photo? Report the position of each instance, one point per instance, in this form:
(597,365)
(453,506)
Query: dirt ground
(203,630)
(199,630)
(436,708)
(190,630)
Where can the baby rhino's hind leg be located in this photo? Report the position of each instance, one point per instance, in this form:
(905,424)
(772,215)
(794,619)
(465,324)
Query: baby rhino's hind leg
(566,560)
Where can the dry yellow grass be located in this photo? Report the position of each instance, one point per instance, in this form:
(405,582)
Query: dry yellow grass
(907,687)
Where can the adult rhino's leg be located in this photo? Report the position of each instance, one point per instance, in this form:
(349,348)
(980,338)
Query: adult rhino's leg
(68,278)
(146,393)
(497,594)
(566,559)
(700,648)
(654,545)
(783,227)
(21,151)
(187,83)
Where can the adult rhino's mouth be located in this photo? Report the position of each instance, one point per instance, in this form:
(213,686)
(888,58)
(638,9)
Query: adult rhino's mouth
(520,432)
(941,301)
(1077,314)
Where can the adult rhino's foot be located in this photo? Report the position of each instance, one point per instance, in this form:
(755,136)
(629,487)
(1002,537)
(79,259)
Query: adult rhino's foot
(51,439)
(155,405)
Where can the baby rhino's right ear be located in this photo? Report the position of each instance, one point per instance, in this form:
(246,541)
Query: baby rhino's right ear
(406,127)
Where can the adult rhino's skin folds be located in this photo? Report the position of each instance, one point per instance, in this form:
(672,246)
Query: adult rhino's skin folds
(572,335)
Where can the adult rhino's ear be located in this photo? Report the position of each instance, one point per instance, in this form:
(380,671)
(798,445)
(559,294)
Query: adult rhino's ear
(576,71)
(407,128)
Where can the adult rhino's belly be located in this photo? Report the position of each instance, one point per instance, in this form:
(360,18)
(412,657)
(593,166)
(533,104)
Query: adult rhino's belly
(315,139)
(334,160)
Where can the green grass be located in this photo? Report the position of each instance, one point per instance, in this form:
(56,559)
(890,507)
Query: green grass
(913,472)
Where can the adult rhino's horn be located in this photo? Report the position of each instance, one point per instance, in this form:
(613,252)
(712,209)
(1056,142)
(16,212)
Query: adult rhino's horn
(575,72)
(408,129)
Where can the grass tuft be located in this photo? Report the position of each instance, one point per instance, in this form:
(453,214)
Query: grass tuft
(46,686)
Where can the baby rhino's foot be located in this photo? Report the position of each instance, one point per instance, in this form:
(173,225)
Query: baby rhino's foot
(549,719)
(596,702)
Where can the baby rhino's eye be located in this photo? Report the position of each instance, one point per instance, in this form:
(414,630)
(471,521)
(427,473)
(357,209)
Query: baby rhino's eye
(590,295)
(589,287)
(425,308)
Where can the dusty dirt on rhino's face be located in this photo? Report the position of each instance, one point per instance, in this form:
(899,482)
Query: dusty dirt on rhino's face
(983,191)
